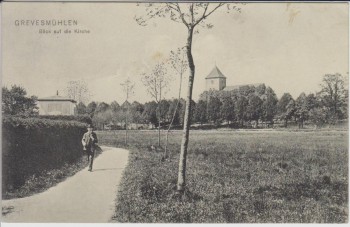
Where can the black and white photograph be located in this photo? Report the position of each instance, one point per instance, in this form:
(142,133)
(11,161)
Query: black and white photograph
(175,112)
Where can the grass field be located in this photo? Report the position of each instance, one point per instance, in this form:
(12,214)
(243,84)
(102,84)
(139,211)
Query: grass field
(236,177)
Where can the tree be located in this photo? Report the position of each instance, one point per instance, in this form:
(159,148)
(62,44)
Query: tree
(150,112)
(103,117)
(316,112)
(261,90)
(173,115)
(200,113)
(136,110)
(227,110)
(290,111)
(125,106)
(137,107)
(179,64)
(318,116)
(269,105)
(182,109)
(128,88)
(78,90)
(333,94)
(101,107)
(247,90)
(301,109)
(115,107)
(254,109)
(241,109)
(81,108)
(191,15)
(214,107)
(119,117)
(157,82)
(90,109)
(163,111)
(312,101)
(282,108)
(136,116)
(15,102)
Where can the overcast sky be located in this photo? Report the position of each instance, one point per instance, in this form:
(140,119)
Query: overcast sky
(289,47)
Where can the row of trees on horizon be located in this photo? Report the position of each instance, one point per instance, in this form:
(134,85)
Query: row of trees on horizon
(247,105)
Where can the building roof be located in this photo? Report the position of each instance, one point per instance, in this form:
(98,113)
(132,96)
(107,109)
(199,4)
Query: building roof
(236,87)
(56,98)
(215,73)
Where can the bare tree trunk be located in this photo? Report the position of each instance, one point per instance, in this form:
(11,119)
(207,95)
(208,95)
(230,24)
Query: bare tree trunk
(160,99)
(159,117)
(159,124)
(126,128)
(181,181)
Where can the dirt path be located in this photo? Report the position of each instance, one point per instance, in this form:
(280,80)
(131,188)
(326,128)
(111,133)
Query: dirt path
(84,197)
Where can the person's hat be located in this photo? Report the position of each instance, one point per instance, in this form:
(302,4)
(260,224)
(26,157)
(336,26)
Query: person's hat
(89,126)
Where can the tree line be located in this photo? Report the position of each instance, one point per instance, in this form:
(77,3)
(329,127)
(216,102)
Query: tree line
(247,106)
(149,113)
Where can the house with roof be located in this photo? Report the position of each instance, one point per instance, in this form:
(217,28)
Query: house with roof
(216,80)
(56,105)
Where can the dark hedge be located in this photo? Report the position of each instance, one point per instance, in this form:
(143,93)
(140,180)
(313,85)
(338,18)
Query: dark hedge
(31,145)
(81,118)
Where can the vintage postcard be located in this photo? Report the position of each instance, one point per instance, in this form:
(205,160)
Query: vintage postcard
(175,112)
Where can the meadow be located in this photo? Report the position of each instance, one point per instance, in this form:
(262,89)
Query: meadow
(235,177)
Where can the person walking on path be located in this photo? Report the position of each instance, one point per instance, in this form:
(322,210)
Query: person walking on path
(85,197)
(89,142)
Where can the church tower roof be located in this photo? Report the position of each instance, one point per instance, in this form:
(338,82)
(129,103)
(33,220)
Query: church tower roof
(215,73)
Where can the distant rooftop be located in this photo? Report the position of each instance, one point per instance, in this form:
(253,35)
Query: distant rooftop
(56,98)
(215,73)
(237,87)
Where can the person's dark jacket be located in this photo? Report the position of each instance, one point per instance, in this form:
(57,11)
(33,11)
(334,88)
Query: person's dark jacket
(90,139)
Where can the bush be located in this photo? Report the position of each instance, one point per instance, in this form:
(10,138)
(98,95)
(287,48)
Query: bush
(32,145)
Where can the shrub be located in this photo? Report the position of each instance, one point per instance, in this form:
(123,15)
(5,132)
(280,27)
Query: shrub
(32,145)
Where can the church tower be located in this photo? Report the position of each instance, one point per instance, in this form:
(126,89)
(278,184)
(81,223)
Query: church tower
(215,80)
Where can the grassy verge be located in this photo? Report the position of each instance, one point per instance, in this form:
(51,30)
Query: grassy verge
(236,177)
(47,179)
